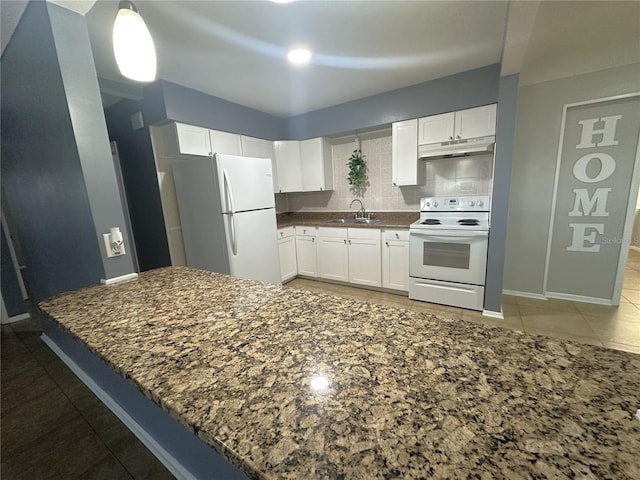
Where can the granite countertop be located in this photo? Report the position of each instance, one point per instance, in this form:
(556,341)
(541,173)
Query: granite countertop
(292,384)
(400,220)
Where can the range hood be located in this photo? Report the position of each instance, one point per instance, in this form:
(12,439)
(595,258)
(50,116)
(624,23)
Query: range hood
(457,148)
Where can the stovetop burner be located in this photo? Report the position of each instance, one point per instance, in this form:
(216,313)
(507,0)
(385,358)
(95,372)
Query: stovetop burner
(431,221)
(468,222)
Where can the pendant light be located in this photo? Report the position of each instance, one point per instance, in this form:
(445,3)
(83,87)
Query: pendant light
(132,45)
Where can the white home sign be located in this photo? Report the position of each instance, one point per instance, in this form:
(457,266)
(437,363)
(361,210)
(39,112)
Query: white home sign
(595,205)
(596,164)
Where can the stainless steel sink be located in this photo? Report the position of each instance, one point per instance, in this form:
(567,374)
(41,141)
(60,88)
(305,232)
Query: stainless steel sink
(355,220)
(366,220)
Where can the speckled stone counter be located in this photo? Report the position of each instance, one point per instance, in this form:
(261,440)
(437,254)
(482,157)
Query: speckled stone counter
(400,220)
(291,384)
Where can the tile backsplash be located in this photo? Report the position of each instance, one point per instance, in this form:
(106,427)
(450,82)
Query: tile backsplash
(439,177)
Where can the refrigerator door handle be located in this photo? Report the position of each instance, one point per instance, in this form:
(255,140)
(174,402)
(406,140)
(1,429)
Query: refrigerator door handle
(228,192)
(232,220)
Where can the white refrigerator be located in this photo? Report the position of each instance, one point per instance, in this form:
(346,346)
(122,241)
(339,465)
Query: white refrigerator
(227,213)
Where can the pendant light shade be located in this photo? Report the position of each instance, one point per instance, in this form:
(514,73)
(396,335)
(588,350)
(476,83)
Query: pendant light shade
(132,45)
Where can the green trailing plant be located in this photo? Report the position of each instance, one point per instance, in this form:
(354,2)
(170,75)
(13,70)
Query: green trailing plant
(357,169)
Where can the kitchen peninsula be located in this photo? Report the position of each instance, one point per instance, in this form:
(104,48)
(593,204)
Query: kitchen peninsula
(286,383)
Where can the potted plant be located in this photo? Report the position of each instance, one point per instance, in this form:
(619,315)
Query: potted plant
(357,176)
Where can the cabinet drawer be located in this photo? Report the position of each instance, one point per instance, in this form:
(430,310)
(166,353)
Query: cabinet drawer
(364,233)
(286,232)
(332,232)
(306,231)
(395,235)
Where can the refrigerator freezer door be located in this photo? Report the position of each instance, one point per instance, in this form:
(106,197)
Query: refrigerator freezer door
(252,245)
(246,183)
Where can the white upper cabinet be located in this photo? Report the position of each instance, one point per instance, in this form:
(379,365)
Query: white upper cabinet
(470,123)
(225,143)
(404,156)
(436,129)
(476,122)
(288,166)
(316,165)
(259,148)
(192,140)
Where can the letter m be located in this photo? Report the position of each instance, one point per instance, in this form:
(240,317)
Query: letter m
(584,205)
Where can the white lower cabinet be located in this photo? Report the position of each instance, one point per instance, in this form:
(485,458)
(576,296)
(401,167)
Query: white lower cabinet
(306,251)
(364,256)
(287,252)
(395,259)
(333,254)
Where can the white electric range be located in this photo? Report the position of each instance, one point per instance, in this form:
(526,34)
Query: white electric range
(448,251)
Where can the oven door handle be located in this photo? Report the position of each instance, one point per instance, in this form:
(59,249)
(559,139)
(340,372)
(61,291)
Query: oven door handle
(450,234)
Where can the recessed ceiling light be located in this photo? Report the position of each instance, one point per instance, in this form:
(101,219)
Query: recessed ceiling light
(299,55)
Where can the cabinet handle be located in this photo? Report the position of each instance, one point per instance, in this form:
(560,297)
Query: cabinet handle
(458,136)
(313,240)
(345,242)
(349,242)
(450,138)
(397,236)
(304,231)
(386,243)
(394,184)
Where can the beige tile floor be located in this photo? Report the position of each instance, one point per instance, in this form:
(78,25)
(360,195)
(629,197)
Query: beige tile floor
(612,327)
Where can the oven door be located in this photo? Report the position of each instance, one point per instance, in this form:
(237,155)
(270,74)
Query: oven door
(449,255)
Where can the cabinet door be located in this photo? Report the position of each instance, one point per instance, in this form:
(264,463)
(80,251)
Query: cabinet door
(395,265)
(476,122)
(193,140)
(317,165)
(287,251)
(364,262)
(257,147)
(333,258)
(226,143)
(288,166)
(404,158)
(306,254)
(436,128)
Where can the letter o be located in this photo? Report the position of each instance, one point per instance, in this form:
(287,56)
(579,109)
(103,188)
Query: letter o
(608,166)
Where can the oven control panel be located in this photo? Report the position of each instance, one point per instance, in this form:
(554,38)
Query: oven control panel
(478,203)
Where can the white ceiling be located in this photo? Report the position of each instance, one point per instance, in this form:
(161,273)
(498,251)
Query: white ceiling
(236,50)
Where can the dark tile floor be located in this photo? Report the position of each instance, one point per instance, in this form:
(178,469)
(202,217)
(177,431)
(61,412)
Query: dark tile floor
(53,426)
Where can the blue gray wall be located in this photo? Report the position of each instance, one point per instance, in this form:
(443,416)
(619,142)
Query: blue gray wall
(182,104)
(505,134)
(141,185)
(166,101)
(57,173)
(455,92)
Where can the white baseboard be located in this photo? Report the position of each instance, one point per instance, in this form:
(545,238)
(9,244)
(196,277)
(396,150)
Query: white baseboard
(579,298)
(122,278)
(516,293)
(492,314)
(16,318)
(168,460)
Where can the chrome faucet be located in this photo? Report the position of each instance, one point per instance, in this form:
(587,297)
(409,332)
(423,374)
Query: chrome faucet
(361,213)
